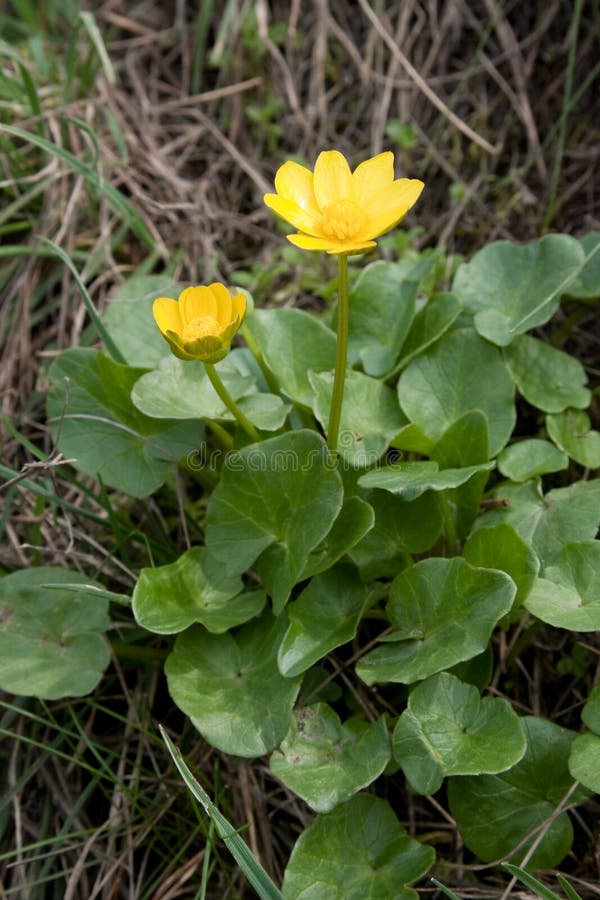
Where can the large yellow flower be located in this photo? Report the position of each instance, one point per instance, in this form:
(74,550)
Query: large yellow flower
(202,323)
(341,211)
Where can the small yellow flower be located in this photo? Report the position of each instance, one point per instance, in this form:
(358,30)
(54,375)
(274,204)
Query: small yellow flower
(202,323)
(341,211)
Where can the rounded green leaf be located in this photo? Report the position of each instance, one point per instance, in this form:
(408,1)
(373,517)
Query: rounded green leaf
(584,761)
(448,729)
(324,616)
(195,588)
(443,611)
(429,324)
(572,432)
(325,762)
(277,500)
(97,425)
(501,547)
(512,288)
(568,596)
(230,686)
(293,342)
(548,378)
(410,480)
(495,813)
(460,373)
(531,458)
(587,284)
(355,520)
(370,415)
(590,713)
(357,852)
(52,625)
(382,306)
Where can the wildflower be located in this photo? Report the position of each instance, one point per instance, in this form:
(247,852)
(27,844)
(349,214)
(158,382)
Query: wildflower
(202,323)
(341,211)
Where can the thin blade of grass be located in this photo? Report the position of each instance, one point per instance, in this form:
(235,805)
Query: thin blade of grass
(89,23)
(531,882)
(238,848)
(445,890)
(568,888)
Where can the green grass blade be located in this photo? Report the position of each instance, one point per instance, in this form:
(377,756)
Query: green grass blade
(238,848)
(89,23)
(531,882)
(445,890)
(568,888)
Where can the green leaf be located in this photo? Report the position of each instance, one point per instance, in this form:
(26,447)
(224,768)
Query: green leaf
(495,813)
(568,596)
(357,852)
(181,389)
(400,527)
(530,459)
(501,547)
(97,425)
(194,588)
(370,415)
(324,616)
(325,762)
(293,343)
(129,321)
(276,500)
(590,713)
(240,851)
(572,432)
(52,640)
(443,611)
(584,761)
(230,686)
(448,729)
(429,324)
(460,373)
(547,522)
(382,306)
(355,520)
(512,288)
(587,284)
(548,378)
(411,479)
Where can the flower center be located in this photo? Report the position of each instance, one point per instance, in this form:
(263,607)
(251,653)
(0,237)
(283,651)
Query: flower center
(342,220)
(201,327)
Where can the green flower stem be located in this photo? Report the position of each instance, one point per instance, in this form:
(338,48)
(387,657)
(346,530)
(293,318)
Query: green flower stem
(231,405)
(337,396)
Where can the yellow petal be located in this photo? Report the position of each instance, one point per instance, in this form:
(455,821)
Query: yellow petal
(372,176)
(239,307)
(301,219)
(388,206)
(224,304)
(333,180)
(166,314)
(197,301)
(295,182)
(307,242)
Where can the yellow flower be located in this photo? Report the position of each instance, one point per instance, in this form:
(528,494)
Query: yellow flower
(202,323)
(341,211)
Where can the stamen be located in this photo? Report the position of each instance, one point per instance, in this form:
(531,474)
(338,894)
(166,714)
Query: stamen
(203,326)
(342,220)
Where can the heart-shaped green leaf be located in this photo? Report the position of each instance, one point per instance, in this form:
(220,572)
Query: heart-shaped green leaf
(460,373)
(448,729)
(355,520)
(194,588)
(584,761)
(568,596)
(500,547)
(572,432)
(587,284)
(548,378)
(382,306)
(530,459)
(590,713)
(357,852)
(324,616)
(52,624)
(512,288)
(429,324)
(231,688)
(411,479)
(496,812)
(280,496)
(293,342)
(129,321)
(97,425)
(325,762)
(442,611)
(370,415)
